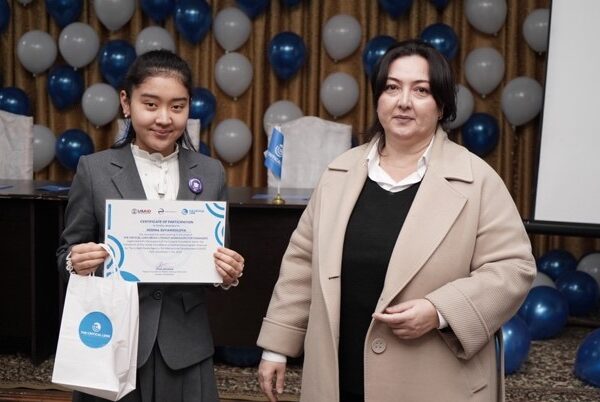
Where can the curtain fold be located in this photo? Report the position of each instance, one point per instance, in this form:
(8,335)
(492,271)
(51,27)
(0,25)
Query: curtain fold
(515,157)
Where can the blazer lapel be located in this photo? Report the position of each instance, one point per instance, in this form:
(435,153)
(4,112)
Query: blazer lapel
(432,214)
(186,165)
(127,179)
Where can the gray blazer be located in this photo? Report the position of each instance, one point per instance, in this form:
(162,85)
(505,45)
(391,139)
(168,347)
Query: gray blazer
(173,315)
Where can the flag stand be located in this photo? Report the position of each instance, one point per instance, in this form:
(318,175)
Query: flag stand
(278,200)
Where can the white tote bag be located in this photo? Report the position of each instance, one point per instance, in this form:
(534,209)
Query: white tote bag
(98,340)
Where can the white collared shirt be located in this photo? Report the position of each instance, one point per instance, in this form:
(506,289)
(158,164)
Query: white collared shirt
(159,174)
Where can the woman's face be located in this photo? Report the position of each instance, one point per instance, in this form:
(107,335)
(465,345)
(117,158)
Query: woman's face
(406,108)
(159,109)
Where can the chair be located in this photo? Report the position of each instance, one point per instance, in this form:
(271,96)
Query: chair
(309,145)
(16,146)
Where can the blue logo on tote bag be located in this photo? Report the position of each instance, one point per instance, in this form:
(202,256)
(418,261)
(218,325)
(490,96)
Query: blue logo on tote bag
(95,330)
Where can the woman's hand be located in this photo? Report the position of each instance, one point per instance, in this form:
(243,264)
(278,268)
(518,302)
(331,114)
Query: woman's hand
(267,372)
(230,265)
(87,257)
(411,319)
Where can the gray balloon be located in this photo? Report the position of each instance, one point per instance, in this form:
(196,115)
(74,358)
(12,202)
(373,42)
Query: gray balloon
(339,93)
(590,264)
(78,44)
(100,103)
(114,13)
(465,104)
(231,28)
(280,112)
(153,38)
(535,29)
(36,51)
(233,74)
(521,100)
(541,279)
(44,142)
(484,69)
(232,140)
(341,36)
(486,16)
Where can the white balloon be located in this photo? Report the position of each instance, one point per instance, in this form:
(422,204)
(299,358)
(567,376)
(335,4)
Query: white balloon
(339,93)
(231,28)
(44,142)
(78,44)
(590,263)
(114,13)
(232,140)
(341,36)
(100,103)
(233,74)
(535,29)
(484,69)
(280,112)
(541,279)
(36,51)
(465,104)
(487,16)
(521,100)
(153,38)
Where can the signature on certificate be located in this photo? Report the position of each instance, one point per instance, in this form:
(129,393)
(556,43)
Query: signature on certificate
(164,266)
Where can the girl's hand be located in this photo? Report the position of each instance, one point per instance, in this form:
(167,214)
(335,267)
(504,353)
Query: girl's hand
(230,265)
(87,257)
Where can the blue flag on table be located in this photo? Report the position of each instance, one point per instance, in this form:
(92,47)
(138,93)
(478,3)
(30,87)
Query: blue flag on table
(274,154)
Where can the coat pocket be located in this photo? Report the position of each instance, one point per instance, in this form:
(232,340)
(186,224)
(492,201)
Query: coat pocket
(474,373)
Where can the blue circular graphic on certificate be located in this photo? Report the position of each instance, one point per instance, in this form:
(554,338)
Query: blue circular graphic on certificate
(95,330)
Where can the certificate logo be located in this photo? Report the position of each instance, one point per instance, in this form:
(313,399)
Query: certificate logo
(135,211)
(95,330)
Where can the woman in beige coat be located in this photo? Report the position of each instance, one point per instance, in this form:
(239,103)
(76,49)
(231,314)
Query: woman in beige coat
(407,260)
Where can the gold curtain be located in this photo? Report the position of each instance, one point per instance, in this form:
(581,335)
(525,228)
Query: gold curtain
(514,158)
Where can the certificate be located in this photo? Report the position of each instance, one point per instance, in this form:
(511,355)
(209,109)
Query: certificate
(164,241)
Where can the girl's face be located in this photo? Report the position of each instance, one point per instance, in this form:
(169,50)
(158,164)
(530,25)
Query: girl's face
(159,110)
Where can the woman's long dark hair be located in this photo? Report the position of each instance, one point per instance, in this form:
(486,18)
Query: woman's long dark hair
(441,81)
(151,64)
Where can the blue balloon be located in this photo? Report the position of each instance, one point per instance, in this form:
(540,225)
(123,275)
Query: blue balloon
(396,8)
(587,361)
(64,12)
(480,133)
(517,341)
(114,59)
(440,4)
(581,291)
(238,356)
(203,106)
(374,51)
(65,86)
(252,8)
(204,149)
(193,19)
(287,54)
(290,3)
(71,145)
(443,38)
(545,311)
(555,262)
(4,15)
(15,100)
(158,10)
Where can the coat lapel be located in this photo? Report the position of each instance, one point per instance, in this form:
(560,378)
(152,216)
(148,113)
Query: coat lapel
(127,180)
(186,165)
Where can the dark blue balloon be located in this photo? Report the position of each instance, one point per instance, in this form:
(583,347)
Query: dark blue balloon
(286,53)
(587,361)
(396,8)
(545,311)
(65,86)
(480,133)
(238,356)
(203,106)
(443,38)
(193,19)
(114,59)
(374,51)
(64,12)
(517,341)
(4,15)
(440,4)
(204,149)
(71,145)
(290,3)
(555,262)
(158,10)
(581,291)
(252,8)
(15,100)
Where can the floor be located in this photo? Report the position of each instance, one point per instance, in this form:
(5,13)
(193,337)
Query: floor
(29,395)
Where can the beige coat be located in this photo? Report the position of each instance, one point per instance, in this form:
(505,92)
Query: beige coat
(463,247)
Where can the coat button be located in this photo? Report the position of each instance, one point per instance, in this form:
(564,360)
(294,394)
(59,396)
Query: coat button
(378,345)
(157,295)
